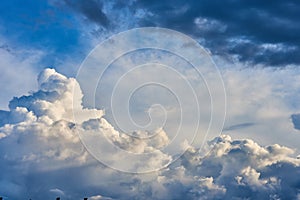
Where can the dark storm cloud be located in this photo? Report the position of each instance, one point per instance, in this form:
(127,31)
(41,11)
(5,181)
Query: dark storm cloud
(92,9)
(258,32)
(235,27)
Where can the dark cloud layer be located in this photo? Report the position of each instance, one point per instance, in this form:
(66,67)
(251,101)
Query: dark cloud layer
(256,32)
(244,26)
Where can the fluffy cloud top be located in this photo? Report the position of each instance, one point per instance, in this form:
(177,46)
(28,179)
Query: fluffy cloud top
(42,157)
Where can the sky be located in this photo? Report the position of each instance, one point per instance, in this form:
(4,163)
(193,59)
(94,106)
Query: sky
(148,99)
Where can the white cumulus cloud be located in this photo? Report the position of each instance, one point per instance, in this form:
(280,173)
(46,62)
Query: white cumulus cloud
(42,156)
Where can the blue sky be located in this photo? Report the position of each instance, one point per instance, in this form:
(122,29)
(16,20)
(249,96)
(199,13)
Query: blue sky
(256,47)
(39,25)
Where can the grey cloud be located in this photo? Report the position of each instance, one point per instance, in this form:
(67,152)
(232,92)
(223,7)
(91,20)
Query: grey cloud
(231,28)
(259,22)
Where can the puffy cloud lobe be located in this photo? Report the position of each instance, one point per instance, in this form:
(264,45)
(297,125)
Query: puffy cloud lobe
(55,99)
(40,129)
(42,157)
(241,169)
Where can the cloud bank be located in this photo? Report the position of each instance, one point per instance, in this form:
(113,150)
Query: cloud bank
(42,157)
(254,32)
